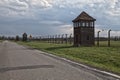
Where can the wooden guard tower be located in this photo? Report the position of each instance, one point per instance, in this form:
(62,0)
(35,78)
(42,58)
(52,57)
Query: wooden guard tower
(84,30)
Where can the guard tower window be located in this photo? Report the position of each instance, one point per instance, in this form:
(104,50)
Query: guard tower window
(77,24)
(83,24)
(91,24)
(74,24)
(87,24)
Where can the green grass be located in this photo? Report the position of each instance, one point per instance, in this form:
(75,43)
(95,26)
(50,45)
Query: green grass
(105,58)
(113,43)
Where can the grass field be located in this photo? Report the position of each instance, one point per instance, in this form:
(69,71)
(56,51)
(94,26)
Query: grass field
(105,58)
(113,43)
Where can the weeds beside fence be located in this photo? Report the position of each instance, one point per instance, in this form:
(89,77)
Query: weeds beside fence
(103,42)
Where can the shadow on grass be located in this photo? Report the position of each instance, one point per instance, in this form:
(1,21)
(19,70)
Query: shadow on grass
(61,47)
(107,46)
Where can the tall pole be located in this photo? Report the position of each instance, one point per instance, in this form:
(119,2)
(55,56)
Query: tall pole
(66,38)
(62,38)
(70,38)
(98,39)
(58,39)
(109,38)
(55,38)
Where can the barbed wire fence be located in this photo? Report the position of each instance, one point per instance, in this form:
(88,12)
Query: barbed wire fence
(55,39)
(112,38)
(108,38)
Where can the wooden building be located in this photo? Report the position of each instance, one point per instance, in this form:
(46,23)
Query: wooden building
(24,36)
(84,30)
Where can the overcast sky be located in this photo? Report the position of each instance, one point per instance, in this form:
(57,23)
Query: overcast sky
(48,17)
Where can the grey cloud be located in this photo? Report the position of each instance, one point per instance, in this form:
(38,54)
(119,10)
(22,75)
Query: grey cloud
(21,7)
(12,8)
(47,16)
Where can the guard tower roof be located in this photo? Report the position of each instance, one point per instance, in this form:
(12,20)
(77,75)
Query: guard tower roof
(84,17)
